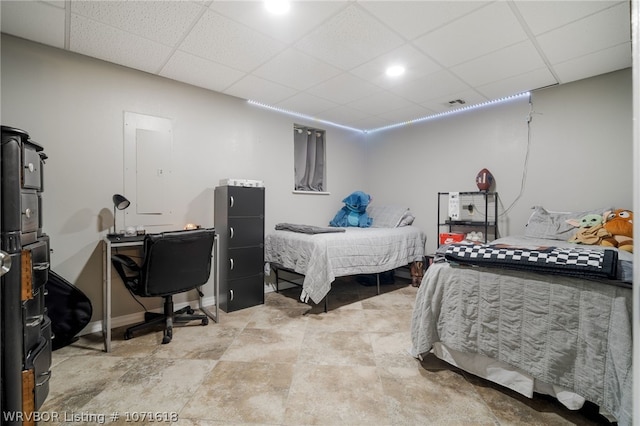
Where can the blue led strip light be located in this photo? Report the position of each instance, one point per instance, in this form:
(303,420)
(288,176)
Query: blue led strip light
(308,117)
(454,111)
(391,126)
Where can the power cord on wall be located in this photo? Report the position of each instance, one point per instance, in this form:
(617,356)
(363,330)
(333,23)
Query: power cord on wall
(526,158)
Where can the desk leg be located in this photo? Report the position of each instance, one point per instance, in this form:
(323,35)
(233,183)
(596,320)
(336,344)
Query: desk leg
(216,287)
(106,297)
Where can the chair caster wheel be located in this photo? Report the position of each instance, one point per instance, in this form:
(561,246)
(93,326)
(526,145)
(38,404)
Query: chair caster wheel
(205,321)
(165,340)
(190,310)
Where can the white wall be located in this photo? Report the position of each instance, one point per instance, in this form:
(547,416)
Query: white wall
(580,154)
(74,107)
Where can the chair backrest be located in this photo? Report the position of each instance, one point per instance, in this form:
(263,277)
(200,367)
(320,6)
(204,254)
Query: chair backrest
(177,261)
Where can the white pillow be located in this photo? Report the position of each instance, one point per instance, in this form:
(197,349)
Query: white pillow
(552,225)
(387,216)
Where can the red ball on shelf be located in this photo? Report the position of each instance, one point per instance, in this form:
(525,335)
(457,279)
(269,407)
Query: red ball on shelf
(484,180)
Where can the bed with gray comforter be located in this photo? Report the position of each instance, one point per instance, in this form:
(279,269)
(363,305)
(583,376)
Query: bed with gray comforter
(321,257)
(567,336)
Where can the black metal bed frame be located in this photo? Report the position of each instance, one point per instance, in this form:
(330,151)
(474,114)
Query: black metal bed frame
(276,267)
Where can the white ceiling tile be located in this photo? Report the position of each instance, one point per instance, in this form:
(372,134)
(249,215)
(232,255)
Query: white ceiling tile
(288,28)
(411,112)
(200,72)
(379,103)
(433,86)
(596,32)
(111,44)
(37,21)
(260,90)
(163,21)
(349,38)
(604,61)
(337,51)
(306,103)
(476,34)
(224,41)
(371,123)
(295,69)
(542,16)
(470,97)
(414,18)
(508,62)
(518,84)
(343,114)
(416,63)
(343,89)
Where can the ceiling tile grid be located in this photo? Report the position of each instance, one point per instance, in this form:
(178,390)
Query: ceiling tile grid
(327,59)
(111,44)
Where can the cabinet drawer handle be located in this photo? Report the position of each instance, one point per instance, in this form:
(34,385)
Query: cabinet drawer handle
(231,295)
(231,232)
(35,321)
(5,262)
(47,377)
(41,266)
(28,212)
(231,263)
(30,167)
(231,201)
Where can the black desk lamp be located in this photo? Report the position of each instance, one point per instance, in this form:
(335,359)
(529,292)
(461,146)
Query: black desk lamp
(120,203)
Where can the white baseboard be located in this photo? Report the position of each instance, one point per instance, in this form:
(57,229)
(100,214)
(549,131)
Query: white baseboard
(96,326)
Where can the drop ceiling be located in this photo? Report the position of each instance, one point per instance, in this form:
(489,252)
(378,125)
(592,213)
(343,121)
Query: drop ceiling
(327,59)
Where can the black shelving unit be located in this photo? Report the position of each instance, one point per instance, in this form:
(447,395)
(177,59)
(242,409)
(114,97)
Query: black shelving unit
(239,223)
(479,211)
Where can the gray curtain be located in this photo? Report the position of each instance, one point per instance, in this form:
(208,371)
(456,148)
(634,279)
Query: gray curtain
(309,159)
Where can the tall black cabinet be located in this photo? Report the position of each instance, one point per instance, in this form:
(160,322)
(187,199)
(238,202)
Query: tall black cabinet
(25,352)
(239,223)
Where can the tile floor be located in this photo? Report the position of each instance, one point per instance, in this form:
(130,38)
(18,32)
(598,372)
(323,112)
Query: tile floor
(285,363)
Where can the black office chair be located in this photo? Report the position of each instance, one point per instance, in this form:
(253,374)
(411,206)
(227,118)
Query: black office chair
(174,262)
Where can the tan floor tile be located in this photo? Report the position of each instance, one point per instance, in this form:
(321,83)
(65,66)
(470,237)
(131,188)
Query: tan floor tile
(338,320)
(391,349)
(152,385)
(265,345)
(236,392)
(290,363)
(76,380)
(336,395)
(336,348)
(280,317)
(197,342)
(415,396)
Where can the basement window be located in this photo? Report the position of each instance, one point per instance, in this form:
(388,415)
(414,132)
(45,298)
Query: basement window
(309,148)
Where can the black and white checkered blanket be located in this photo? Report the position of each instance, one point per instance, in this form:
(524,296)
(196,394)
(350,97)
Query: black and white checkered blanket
(571,261)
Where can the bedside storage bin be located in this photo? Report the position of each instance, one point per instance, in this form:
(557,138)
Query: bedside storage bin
(451,237)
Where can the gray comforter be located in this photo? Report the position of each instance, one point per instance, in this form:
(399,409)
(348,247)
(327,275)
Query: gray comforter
(565,331)
(323,257)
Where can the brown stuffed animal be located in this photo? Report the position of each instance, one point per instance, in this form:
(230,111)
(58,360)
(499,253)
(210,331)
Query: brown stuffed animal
(619,223)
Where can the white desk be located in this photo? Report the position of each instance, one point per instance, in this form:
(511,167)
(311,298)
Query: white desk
(111,243)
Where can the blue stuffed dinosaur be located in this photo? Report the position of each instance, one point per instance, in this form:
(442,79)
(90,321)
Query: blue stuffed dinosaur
(354,212)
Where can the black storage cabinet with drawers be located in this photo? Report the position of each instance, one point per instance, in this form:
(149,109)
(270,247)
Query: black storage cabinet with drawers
(239,223)
(25,353)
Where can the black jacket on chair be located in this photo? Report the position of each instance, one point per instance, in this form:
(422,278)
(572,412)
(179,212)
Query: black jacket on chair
(173,262)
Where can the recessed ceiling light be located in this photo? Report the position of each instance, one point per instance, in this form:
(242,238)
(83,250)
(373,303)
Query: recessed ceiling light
(395,70)
(277,7)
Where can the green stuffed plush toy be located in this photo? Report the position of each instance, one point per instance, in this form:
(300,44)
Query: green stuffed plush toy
(590,231)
